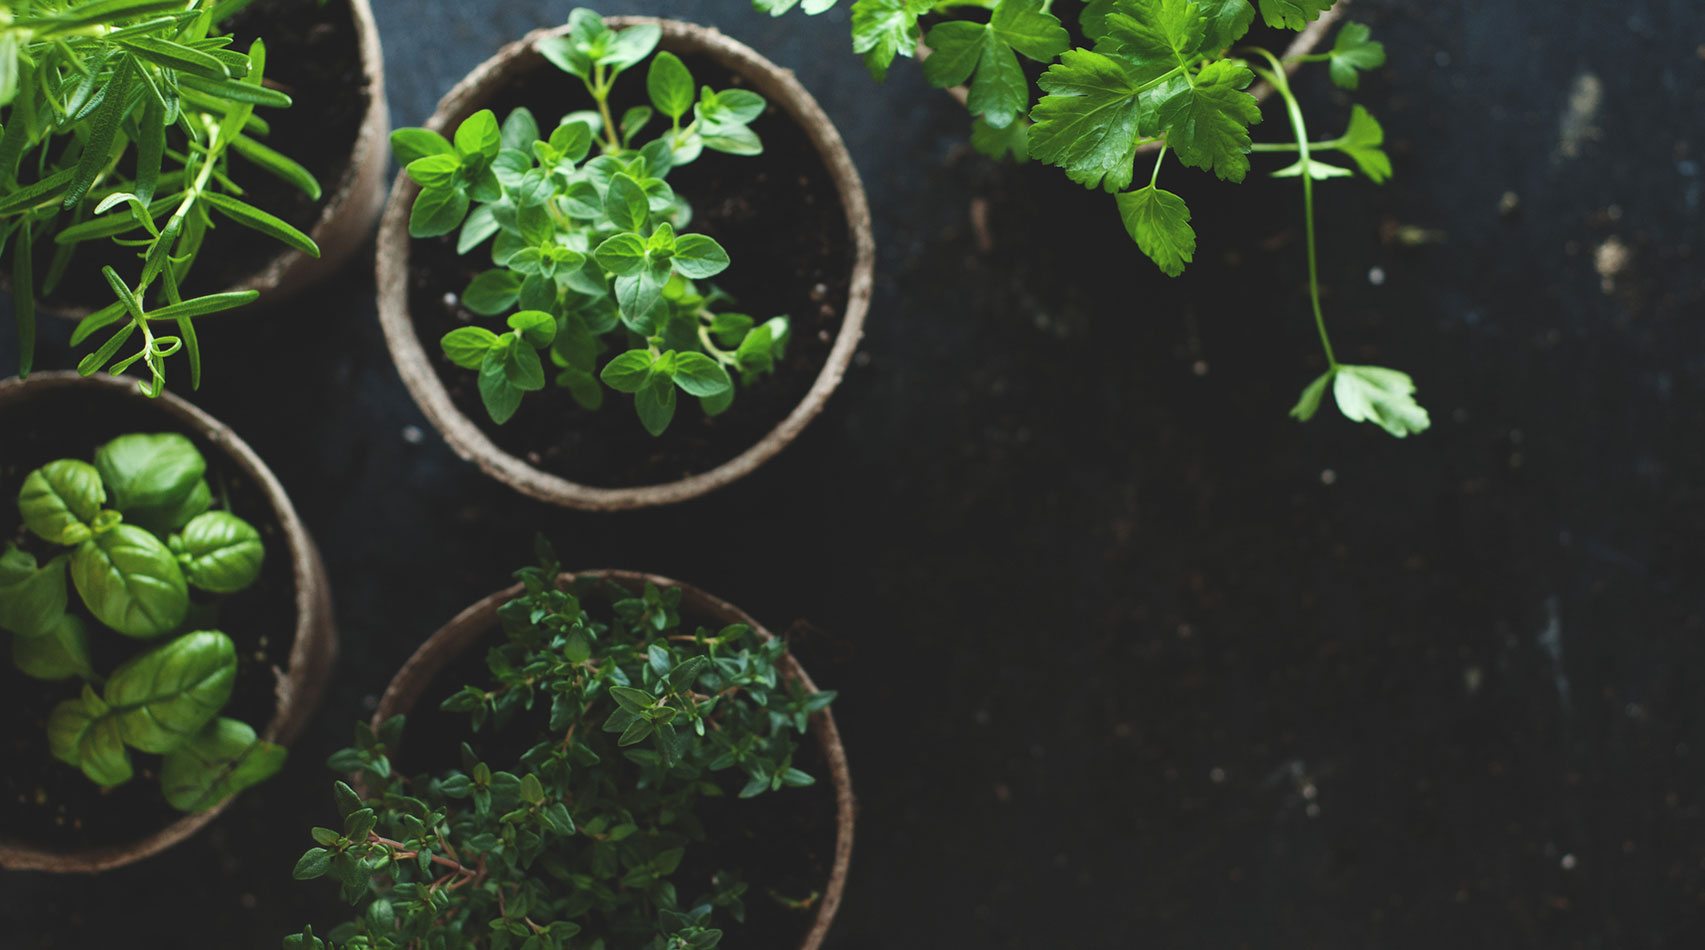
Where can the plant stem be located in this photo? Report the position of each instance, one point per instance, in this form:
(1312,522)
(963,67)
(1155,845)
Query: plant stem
(1282,86)
(1157,160)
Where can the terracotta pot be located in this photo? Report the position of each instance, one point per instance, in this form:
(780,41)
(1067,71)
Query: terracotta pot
(1304,44)
(479,622)
(311,652)
(411,355)
(350,205)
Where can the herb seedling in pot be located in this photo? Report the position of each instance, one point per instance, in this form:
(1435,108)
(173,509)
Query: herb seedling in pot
(1167,77)
(595,273)
(120,122)
(628,721)
(138,538)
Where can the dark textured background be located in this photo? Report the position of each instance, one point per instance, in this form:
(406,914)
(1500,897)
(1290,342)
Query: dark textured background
(1127,658)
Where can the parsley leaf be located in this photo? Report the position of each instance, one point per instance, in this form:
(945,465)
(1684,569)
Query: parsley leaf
(1293,14)
(1159,221)
(1362,143)
(884,29)
(1013,141)
(1155,37)
(1000,91)
(1207,123)
(1384,397)
(1354,53)
(1227,22)
(1088,122)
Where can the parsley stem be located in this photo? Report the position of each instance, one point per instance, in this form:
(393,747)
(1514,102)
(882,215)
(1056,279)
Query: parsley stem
(1282,86)
(1157,160)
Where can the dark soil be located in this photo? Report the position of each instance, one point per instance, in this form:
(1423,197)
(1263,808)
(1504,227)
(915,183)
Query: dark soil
(780,218)
(45,802)
(781,844)
(314,55)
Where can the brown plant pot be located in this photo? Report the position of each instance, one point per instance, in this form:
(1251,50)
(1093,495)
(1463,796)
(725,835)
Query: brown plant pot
(1305,43)
(465,437)
(349,206)
(312,650)
(479,622)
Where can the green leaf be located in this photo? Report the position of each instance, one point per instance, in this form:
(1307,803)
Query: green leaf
(1363,142)
(279,165)
(437,211)
(32,598)
(313,864)
(1227,22)
(655,405)
(698,257)
(83,733)
(1087,124)
(219,552)
(59,500)
(621,254)
(165,520)
(1293,14)
(500,396)
(149,471)
(411,145)
(165,696)
(670,85)
(521,366)
(1154,37)
(1011,142)
(1353,53)
(103,130)
(1309,403)
(435,171)
(631,45)
(221,760)
(626,204)
(479,136)
(629,372)
(266,223)
(131,582)
(467,346)
(884,29)
(536,327)
(492,292)
(1207,124)
(1159,221)
(1382,396)
(1316,169)
(699,375)
(520,130)
(1026,27)
(62,653)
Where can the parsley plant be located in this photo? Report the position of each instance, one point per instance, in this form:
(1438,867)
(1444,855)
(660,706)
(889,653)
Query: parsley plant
(1165,74)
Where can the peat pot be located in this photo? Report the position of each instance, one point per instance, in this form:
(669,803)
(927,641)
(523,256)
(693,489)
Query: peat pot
(52,818)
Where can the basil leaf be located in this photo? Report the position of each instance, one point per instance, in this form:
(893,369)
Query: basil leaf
(61,653)
(221,760)
(32,599)
(220,553)
(131,582)
(84,733)
(166,695)
(150,471)
(59,500)
(163,521)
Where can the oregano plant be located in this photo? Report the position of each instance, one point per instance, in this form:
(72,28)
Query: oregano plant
(137,535)
(594,271)
(628,718)
(121,122)
(1171,77)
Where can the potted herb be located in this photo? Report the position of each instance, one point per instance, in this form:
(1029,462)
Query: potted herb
(165,615)
(1169,79)
(626,263)
(137,129)
(643,765)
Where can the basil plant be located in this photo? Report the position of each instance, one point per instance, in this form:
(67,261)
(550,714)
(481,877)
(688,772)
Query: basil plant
(135,534)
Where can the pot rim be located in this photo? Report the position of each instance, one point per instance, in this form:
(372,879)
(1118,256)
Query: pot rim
(349,209)
(312,650)
(465,437)
(478,621)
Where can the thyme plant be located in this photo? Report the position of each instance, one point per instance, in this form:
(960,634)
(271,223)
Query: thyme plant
(591,255)
(136,532)
(629,719)
(120,121)
(1167,73)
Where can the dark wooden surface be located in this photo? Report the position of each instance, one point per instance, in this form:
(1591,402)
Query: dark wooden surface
(1129,659)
